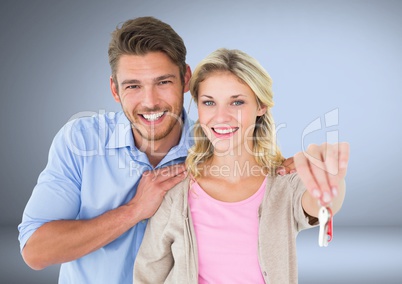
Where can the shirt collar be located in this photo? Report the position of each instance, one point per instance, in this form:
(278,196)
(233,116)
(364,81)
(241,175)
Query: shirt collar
(186,140)
(122,135)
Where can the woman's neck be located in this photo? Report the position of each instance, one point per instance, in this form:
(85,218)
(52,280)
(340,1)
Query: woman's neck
(231,178)
(234,167)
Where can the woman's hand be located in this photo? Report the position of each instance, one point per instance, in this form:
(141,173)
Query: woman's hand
(322,169)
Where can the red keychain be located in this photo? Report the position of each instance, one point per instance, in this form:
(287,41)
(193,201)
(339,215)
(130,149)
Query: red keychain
(326,230)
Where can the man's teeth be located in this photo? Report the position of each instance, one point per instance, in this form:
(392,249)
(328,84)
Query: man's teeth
(225,131)
(153,116)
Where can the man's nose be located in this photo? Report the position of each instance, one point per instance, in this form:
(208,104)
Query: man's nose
(150,98)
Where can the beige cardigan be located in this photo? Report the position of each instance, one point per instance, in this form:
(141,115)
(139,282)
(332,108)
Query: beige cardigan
(168,253)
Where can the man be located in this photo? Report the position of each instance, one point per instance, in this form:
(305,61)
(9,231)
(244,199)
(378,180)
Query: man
(106,175)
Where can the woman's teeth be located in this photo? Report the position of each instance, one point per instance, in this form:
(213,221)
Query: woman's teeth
(225,130)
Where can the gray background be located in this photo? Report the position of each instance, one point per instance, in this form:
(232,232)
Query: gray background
(343,57)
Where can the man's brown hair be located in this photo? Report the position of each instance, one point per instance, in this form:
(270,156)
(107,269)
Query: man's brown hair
(143,35)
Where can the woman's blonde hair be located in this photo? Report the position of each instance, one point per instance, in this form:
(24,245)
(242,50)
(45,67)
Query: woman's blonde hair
(249,71)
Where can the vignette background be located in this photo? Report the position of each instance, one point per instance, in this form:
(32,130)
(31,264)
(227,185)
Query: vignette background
(322,55)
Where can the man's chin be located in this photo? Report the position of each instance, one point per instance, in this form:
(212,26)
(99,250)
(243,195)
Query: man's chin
(150,136)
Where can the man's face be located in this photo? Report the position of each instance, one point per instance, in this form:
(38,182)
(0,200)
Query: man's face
(150,91)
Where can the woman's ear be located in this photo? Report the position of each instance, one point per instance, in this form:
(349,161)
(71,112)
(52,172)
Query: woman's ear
(262,109)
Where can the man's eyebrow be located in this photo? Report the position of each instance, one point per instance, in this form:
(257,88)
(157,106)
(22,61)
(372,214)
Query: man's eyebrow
(164,77)
(130,81)
(157,79)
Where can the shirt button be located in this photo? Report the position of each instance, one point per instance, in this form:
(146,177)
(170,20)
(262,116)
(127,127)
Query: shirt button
(265,273)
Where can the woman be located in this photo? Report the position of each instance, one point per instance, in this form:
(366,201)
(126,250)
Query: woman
(232,220)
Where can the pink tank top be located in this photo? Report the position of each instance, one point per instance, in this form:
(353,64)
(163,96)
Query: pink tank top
(227,237)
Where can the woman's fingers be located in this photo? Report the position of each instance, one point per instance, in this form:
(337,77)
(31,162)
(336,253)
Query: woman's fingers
(321,168)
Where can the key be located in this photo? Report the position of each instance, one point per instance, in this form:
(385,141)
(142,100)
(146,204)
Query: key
(325,219)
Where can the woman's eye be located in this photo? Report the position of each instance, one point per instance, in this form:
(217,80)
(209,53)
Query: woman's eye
(208,103)
(238,103)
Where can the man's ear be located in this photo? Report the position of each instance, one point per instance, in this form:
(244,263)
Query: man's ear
(187,77)
(114,89)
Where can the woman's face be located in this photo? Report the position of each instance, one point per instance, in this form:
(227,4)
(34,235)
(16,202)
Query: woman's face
(227,110)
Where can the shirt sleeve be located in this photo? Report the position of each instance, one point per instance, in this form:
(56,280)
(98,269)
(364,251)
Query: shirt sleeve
(56,195)
(304,221)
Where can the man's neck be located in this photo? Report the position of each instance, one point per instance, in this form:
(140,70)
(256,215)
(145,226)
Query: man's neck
(156,150)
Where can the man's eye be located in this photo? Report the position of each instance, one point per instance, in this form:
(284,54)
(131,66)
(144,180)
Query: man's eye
(133,87)
(164,82)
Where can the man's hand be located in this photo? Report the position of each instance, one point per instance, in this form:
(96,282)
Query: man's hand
(287,167)
(322,169)
(153,187)
(66,240)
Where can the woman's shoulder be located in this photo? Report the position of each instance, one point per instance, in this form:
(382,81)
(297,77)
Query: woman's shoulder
(179,191)
(288,183)
(286,180)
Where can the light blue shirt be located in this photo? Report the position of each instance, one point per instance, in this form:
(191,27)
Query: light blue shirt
(94,167)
